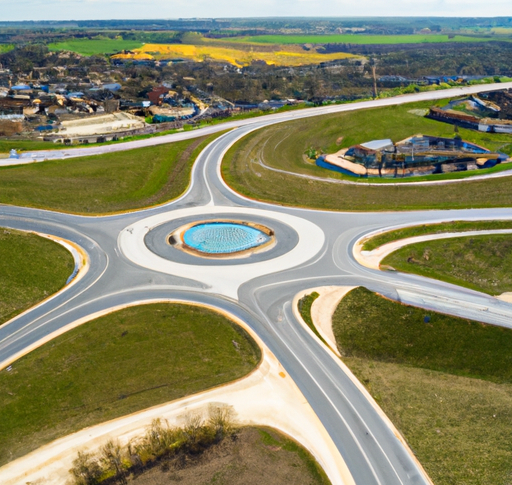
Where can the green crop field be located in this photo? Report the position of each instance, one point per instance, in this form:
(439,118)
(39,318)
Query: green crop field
(248,165)
(445,384)
(104,183)
(116,365)
(360,39)
(483,263)
(6,48)
(92,47)
(31,269)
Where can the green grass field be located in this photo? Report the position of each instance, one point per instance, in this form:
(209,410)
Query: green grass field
(446,384)
(283,146)
(93,47)
(483,263)
(360,39)
(305,304)
(7,144)
(6,48)
(454,226)
(104,183)
(31,269)
(116,365)
(459,428)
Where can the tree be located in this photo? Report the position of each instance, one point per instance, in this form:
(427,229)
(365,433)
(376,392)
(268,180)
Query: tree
(86,469)
(112,458)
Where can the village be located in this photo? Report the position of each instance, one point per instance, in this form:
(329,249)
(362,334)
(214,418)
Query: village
(69,98)
(80,100)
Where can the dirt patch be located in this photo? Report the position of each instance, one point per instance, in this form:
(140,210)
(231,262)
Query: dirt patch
(251,457)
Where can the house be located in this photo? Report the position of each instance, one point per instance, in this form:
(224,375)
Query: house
(157,94)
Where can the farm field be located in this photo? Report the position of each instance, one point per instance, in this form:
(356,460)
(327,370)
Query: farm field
(95,47)
(283,147)
(6,48)
(142,356)
(446,385)
(360,39)
(236,56)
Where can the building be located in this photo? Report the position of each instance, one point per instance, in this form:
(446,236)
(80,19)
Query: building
(157,94)
(488,112)
(416,155)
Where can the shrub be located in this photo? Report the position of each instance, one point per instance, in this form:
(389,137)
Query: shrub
(86,469)
(114,462)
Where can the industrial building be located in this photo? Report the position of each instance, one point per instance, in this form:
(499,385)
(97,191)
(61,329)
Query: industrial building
(417,155)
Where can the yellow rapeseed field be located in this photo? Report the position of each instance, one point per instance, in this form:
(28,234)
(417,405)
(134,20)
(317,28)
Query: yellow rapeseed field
(237,57)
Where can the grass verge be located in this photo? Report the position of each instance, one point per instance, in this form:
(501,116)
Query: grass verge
(483,263)
(104,183)
(282,147)
(446,384)
(115,365)
(453,226)
(31,269)
(459,428)
(7,144)
(304,305)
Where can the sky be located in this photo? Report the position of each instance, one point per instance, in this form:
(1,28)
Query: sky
(171,9)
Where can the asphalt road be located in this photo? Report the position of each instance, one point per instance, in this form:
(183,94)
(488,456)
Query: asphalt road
(261,298)
(28,157)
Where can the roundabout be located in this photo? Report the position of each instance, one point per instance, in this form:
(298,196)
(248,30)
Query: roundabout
(145,243)
(167,240)
(131,259)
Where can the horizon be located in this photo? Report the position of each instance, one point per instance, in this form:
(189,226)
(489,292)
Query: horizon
(91,10)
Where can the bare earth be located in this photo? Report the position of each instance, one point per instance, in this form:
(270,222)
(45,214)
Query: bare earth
(251,458)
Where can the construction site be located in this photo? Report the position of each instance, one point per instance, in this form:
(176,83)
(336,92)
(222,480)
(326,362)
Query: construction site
(414,156)
(488,112)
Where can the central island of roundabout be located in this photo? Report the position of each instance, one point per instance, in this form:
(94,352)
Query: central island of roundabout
(223,238)
(222,247)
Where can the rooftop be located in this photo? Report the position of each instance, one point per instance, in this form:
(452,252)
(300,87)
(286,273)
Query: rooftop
(377,144)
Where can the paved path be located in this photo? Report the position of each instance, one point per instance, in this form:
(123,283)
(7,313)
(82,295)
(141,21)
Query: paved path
(123,270)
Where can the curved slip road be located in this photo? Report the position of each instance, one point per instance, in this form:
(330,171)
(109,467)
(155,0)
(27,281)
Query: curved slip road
(261,297)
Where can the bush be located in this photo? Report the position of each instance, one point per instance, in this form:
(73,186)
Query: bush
(86,469)
(114,463)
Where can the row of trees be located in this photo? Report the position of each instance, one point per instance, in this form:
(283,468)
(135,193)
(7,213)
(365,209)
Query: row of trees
(114,463)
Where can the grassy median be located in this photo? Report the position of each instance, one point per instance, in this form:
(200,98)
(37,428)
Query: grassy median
(104,183)
(444,227)
(483,263)
(115,365)
(31,268)
(282,147)
(446,383)
(7,144)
